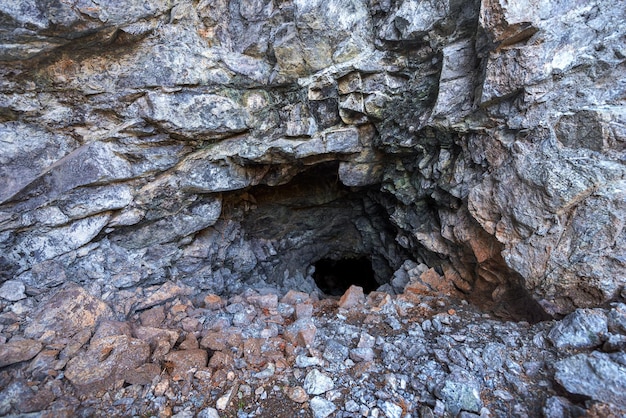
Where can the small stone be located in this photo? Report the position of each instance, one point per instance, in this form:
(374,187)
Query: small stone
(12,290)
(161,387)
(223,402)
(304,361)
(266,373)
(203,375)
(301,332)
(304,310)
(460,392)
(351,406)
(269,301)
(294,297)
(316,383)
(617,319)
(354,296)
(600,376)
(559,407)
(366,341)
(360,354)
(190,324)
(242,319)
(184,362)
(297,394)
(335,352)
(321,408)
(584,328)
(391,410)
(190,342)
(213,302)
(615,343)
(208,413)
(18,351)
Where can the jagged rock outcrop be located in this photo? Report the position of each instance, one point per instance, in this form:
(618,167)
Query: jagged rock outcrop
(238,142)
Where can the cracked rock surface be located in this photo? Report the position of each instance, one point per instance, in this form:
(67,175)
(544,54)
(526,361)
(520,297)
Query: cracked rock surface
(179,181)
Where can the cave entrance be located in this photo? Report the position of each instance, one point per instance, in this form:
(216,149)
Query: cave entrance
(334,277)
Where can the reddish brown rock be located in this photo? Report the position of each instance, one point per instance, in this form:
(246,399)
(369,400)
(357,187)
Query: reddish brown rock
(153,317)
(294,297)
(304,310)
(297,394)
(18,351)
(302,332)
(161,340)
(143,375)
(190,342)
(68,312)
(166,292)
(215,341)
(431,283)
(184,363)
(221,360)
(107,360)
(219,341)
(107,328)
(269,301)
(213,302)
(352,297)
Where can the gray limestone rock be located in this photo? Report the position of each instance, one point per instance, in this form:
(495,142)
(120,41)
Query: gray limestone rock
(335,352)
(317,383)
(12,290)
(26,152)
(584,328)
(228,144)
(195,115)
(460,392)
(321,407)
(600,376)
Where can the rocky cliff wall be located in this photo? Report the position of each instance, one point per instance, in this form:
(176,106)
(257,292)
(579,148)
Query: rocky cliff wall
(233,143)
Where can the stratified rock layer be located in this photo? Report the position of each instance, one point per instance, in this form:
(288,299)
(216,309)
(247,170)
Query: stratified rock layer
(236,143)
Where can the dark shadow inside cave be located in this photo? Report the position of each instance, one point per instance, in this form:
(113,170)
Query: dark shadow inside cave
(350,237)
(334,277)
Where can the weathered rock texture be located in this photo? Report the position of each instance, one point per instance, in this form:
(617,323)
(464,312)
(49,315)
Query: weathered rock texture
(224,143)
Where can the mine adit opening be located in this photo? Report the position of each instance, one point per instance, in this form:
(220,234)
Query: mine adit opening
(334,277)
(313,232)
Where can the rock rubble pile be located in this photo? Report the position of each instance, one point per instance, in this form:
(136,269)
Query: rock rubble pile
(171,351)
(312,208)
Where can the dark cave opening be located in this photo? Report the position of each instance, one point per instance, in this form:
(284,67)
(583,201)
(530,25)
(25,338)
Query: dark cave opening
(334,277)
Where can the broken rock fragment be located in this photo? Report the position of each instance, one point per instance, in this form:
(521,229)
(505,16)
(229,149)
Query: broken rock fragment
(68,312)
(107,361)
(17,351)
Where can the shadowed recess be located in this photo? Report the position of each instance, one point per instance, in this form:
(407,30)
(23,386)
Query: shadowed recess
(334,277)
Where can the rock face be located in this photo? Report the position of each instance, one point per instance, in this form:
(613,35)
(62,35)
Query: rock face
(233,143)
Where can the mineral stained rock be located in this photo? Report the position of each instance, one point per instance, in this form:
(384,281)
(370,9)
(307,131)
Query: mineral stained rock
(238,142)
